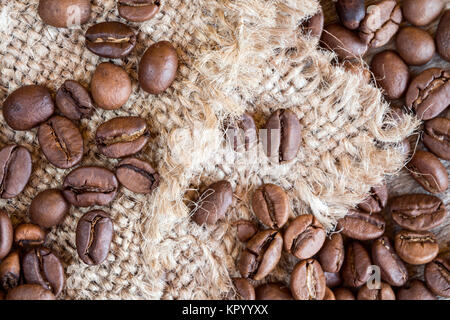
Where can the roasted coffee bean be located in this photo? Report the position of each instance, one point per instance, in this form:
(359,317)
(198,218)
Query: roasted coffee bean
(361,225)
(392,268)
(30,292)
(110,86)
(261,255)
(29,235)
(391,73)
(385,292)
(15,170)
(345,43)
(74,101)
(356,268)
(243,137)
(64,13)
(93,237)
(332,279)
(6,234)
(428,171)
(270,204)
(331,256)
(437,276)
(416,247)
(329,295)
(137,175)
(245,230)
(158,67)
(27,107)
(415,46)
(436,137)
(244,289)
(351,12)
(213,203)
(376,201)
(273,291)
(417,212)
(415,290)
(307,281)
(343,294)
(110,39)
(314,25)
(122,136)
(138,10)
(380,23)
(10,271)
(61,142)
(429,93)
(422,12)
(442,36)
(48,208)
(43,267)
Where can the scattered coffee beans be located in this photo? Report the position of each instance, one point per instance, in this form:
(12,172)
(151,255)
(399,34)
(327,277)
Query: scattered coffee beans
(29,235)
(30,292)
(10,271)
(356,268)
(345,43)
(273,291)
(213,203)
(331,256)
(74,101)
(110,39)
(137,175)
(138,10)
(385,292)
(416,247)
(428,171)
(392,268)
(436,137)
(415,46)
(245,230)
(244,288)
(376,201)
(308,281)
(415,290)
(6,234)
(64,13)
(48,208)
(271,205)
(391,73)
(361,225)
(350,12)
(442,36)
(437,276)
(314,25)
(422,12)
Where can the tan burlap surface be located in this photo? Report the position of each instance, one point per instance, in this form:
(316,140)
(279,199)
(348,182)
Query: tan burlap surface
(233,57)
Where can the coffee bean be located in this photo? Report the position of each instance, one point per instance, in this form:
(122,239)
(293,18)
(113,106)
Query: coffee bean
(30,292)
(417,212)
(243,137)
(10,271)
(415,46)
(416,247)
(110,86)
(137,175)
(385,292)
(331,256)
(110,39)
(361,225)
(283,136)
(380,23)
(27,107)
(376,201)
(273,291)
(350,12)
(356,268)
(442,36)
(244,289)
(415,290)
(48,208)
(332,279)
(392,268)
(64,13)
(138,10)
(429,93)
(15,170)
(307,281)
(436,137)
(93,237)
(314,25)
(6,234)
(245,230)
(437,276)
(74,101)
(89,186)
(422,12)
(158,67)
(391,73)
(329,295)
(428,171)
(43,267)
(29,235)
(343,294)
(213,203)
(345,43)
(271,205)
(261,255)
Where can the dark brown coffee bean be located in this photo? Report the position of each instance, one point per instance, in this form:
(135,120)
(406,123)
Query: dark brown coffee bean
(30,292)
(261,255)
(332,279)
(110,86)
(273,291)
(351,12)
(437,276)
(415,290)
(158,67)
(110,39)
(74,101)
(243,137)
(429,93)
(415,46)
(329,295)
(385,292)
(43,267)
(10,271)
(213,203)
(361,225)
(376,201)
(244,289)
(442,36)
(122,136)
(345,43)
(428,171)
(15,170)
(307,281)
(89,186)
(93,237)
(380,23)
(270,204)
(391,73)
(422,12)
(417,212)
(61,142)
(245,230)
(138,10)
(29,235)
(343,294)
(314,25)
(6,234)
(48,208)
(331,256)
(27,107)
(392,268)
(356,268)
(436,137)
(137,175)
(64,13)
(416,247)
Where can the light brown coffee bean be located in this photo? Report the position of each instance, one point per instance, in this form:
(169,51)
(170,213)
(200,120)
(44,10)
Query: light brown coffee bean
(331,256)
(10,271)
(361,225)
(137,175)
(391,73)
(422,12)
(29,235)
(245,230)
(270,204)
(64,13)
(428,171)
(416,247)
(436,137)
(6,234)
(308,281)
(415,46)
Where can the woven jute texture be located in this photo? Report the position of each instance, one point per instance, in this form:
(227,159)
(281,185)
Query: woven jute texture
(235,56)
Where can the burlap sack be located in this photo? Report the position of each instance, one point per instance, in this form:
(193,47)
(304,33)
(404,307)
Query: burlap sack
(235,55)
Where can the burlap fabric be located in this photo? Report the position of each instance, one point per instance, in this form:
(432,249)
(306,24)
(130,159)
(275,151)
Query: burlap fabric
(235,56)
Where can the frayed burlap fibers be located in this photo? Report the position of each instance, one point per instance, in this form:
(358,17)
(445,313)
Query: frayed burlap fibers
(235,56)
